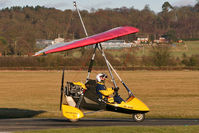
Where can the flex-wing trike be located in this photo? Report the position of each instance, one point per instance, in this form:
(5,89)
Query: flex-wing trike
(80,96)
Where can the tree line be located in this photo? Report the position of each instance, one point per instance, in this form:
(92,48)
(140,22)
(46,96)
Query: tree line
(20,27)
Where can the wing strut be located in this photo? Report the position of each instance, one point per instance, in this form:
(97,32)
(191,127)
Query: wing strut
(110,68)
(89,72)
(129,91)
(91,63)
(107,63)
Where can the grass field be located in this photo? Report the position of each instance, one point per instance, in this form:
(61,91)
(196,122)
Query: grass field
(189,47)
(169,94)
(177,50)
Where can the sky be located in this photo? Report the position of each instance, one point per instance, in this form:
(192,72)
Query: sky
(154,5)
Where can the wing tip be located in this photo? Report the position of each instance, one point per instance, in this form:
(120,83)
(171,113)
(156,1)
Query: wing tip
(39,54)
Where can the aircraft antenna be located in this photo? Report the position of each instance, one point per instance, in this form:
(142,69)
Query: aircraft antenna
(75,5)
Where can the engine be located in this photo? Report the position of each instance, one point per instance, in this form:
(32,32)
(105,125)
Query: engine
(73,90)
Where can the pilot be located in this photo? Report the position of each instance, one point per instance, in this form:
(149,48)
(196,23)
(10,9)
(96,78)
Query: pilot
(103,92)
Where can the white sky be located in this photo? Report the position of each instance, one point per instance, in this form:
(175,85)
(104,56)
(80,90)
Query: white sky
(155,5)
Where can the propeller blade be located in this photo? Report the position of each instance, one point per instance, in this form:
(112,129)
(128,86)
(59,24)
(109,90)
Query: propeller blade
(62,89)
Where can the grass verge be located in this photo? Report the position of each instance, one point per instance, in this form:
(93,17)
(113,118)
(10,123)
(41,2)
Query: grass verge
(127,129)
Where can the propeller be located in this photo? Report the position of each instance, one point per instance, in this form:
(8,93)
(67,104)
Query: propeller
(62,89)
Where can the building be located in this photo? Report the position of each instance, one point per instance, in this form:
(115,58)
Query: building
(115,44)
(161,40)
(41,43)
(142,40)
(59,40)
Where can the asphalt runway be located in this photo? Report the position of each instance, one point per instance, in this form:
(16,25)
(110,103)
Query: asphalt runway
(9,125)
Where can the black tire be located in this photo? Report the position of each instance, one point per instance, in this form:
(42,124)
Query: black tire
(73,120)
(139,117)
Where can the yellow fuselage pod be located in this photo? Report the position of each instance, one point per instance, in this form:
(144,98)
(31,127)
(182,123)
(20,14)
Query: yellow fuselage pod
(71,113)
(133,104)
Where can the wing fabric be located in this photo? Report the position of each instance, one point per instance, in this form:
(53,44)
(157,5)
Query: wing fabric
(101,37)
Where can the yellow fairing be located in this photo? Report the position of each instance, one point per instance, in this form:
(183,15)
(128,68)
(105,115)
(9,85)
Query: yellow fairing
(107,92)
(110,100)
(134,103)
(80,84)
(71,113)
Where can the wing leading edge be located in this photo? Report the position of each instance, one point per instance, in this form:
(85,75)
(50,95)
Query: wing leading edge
(101,37)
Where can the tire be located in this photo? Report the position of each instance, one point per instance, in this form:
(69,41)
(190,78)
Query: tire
(73,120)
(139,117)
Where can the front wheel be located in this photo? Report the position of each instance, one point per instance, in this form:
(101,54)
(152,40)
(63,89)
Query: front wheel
(139,117)
(73,120)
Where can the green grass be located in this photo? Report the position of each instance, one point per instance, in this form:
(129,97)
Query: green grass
(126,129)
(189,47)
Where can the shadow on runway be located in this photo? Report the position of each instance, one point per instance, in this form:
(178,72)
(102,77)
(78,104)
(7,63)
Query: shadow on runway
(6,113)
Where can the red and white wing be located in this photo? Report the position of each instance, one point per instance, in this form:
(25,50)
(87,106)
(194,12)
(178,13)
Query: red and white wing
(101,37)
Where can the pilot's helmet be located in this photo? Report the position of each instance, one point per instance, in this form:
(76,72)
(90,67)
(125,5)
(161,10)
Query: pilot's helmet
(100,75)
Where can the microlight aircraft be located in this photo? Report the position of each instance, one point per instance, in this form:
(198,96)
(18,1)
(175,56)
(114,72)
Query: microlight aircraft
(80,95)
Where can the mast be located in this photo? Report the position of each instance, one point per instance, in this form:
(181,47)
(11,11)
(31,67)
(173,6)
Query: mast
(75,5)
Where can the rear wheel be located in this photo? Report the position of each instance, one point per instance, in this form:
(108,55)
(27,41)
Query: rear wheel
(139,117)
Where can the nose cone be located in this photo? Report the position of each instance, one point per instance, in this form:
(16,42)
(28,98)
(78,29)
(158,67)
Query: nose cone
(139,105)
